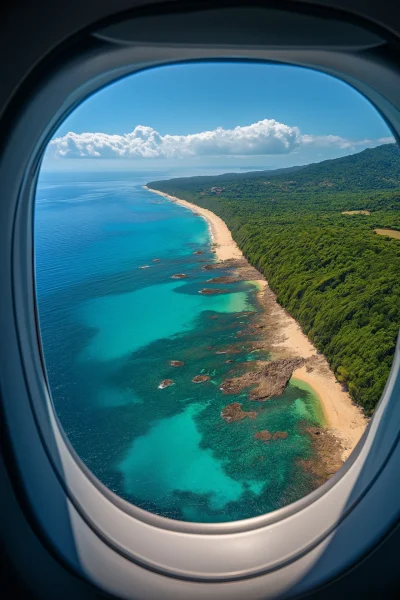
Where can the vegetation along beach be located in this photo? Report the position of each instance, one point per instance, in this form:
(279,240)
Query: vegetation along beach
(287,346)
(316,234)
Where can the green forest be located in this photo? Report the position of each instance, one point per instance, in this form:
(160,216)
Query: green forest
(334,274)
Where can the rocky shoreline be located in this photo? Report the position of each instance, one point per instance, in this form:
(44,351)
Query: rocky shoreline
(291,354)
(263,380)
(271,379)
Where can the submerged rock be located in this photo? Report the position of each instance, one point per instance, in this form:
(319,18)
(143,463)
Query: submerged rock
(327,454)
(223,279)
(209,291)
(279,435)
(200,378)
(176,363)
(315,430)
(179,276)
(267,436)
(198,252)
(233,412)
(270,380)
(263,435)
(156,259)
(166,383)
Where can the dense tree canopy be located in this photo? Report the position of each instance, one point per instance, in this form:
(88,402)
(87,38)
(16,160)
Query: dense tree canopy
(332,272)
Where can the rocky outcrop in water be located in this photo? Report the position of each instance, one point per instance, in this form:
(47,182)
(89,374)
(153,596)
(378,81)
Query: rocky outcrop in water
(233,412)
(269,380)
(156,259)
(223,279)
(176,363)
(263,435)
(279,435)
(200,378)
(267,436)
(198,252)
(327,450)
(166,383)
(179,276)
(209,291)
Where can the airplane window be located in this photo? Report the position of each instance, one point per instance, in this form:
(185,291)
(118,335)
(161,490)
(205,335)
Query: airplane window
(217,274)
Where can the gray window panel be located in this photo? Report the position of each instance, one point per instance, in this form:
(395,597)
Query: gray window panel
(123,549)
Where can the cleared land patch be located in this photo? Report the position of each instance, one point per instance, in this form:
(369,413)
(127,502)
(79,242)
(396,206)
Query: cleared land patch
(390,232)
(356,212)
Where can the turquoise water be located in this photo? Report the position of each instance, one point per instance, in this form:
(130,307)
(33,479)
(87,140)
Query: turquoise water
(110,329)
(159,314)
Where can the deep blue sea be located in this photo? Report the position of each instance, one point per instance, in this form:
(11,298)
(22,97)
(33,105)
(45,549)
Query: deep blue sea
(112,318)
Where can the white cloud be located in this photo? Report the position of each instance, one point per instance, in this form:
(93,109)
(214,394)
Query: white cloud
(335,141)
(267,137)
(327,141)
(386,140)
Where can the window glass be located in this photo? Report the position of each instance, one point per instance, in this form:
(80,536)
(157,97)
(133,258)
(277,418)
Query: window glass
(217,267)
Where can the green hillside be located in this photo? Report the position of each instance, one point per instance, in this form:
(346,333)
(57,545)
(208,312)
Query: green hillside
(332,272)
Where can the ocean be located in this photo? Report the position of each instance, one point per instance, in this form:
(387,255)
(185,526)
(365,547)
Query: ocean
(112,317)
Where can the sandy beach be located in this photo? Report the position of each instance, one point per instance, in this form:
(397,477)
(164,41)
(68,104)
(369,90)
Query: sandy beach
(344,419)
(224,246)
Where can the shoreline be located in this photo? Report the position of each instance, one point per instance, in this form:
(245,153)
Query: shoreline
(344,419)
(337,407)
(223,243)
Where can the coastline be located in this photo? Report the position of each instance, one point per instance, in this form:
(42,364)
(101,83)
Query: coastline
(223,244)
(343,419)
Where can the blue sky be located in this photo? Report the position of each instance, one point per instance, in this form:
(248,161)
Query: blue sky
(217,115)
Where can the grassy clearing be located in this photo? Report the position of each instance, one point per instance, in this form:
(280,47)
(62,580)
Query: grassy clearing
(356,212)
(389,232)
